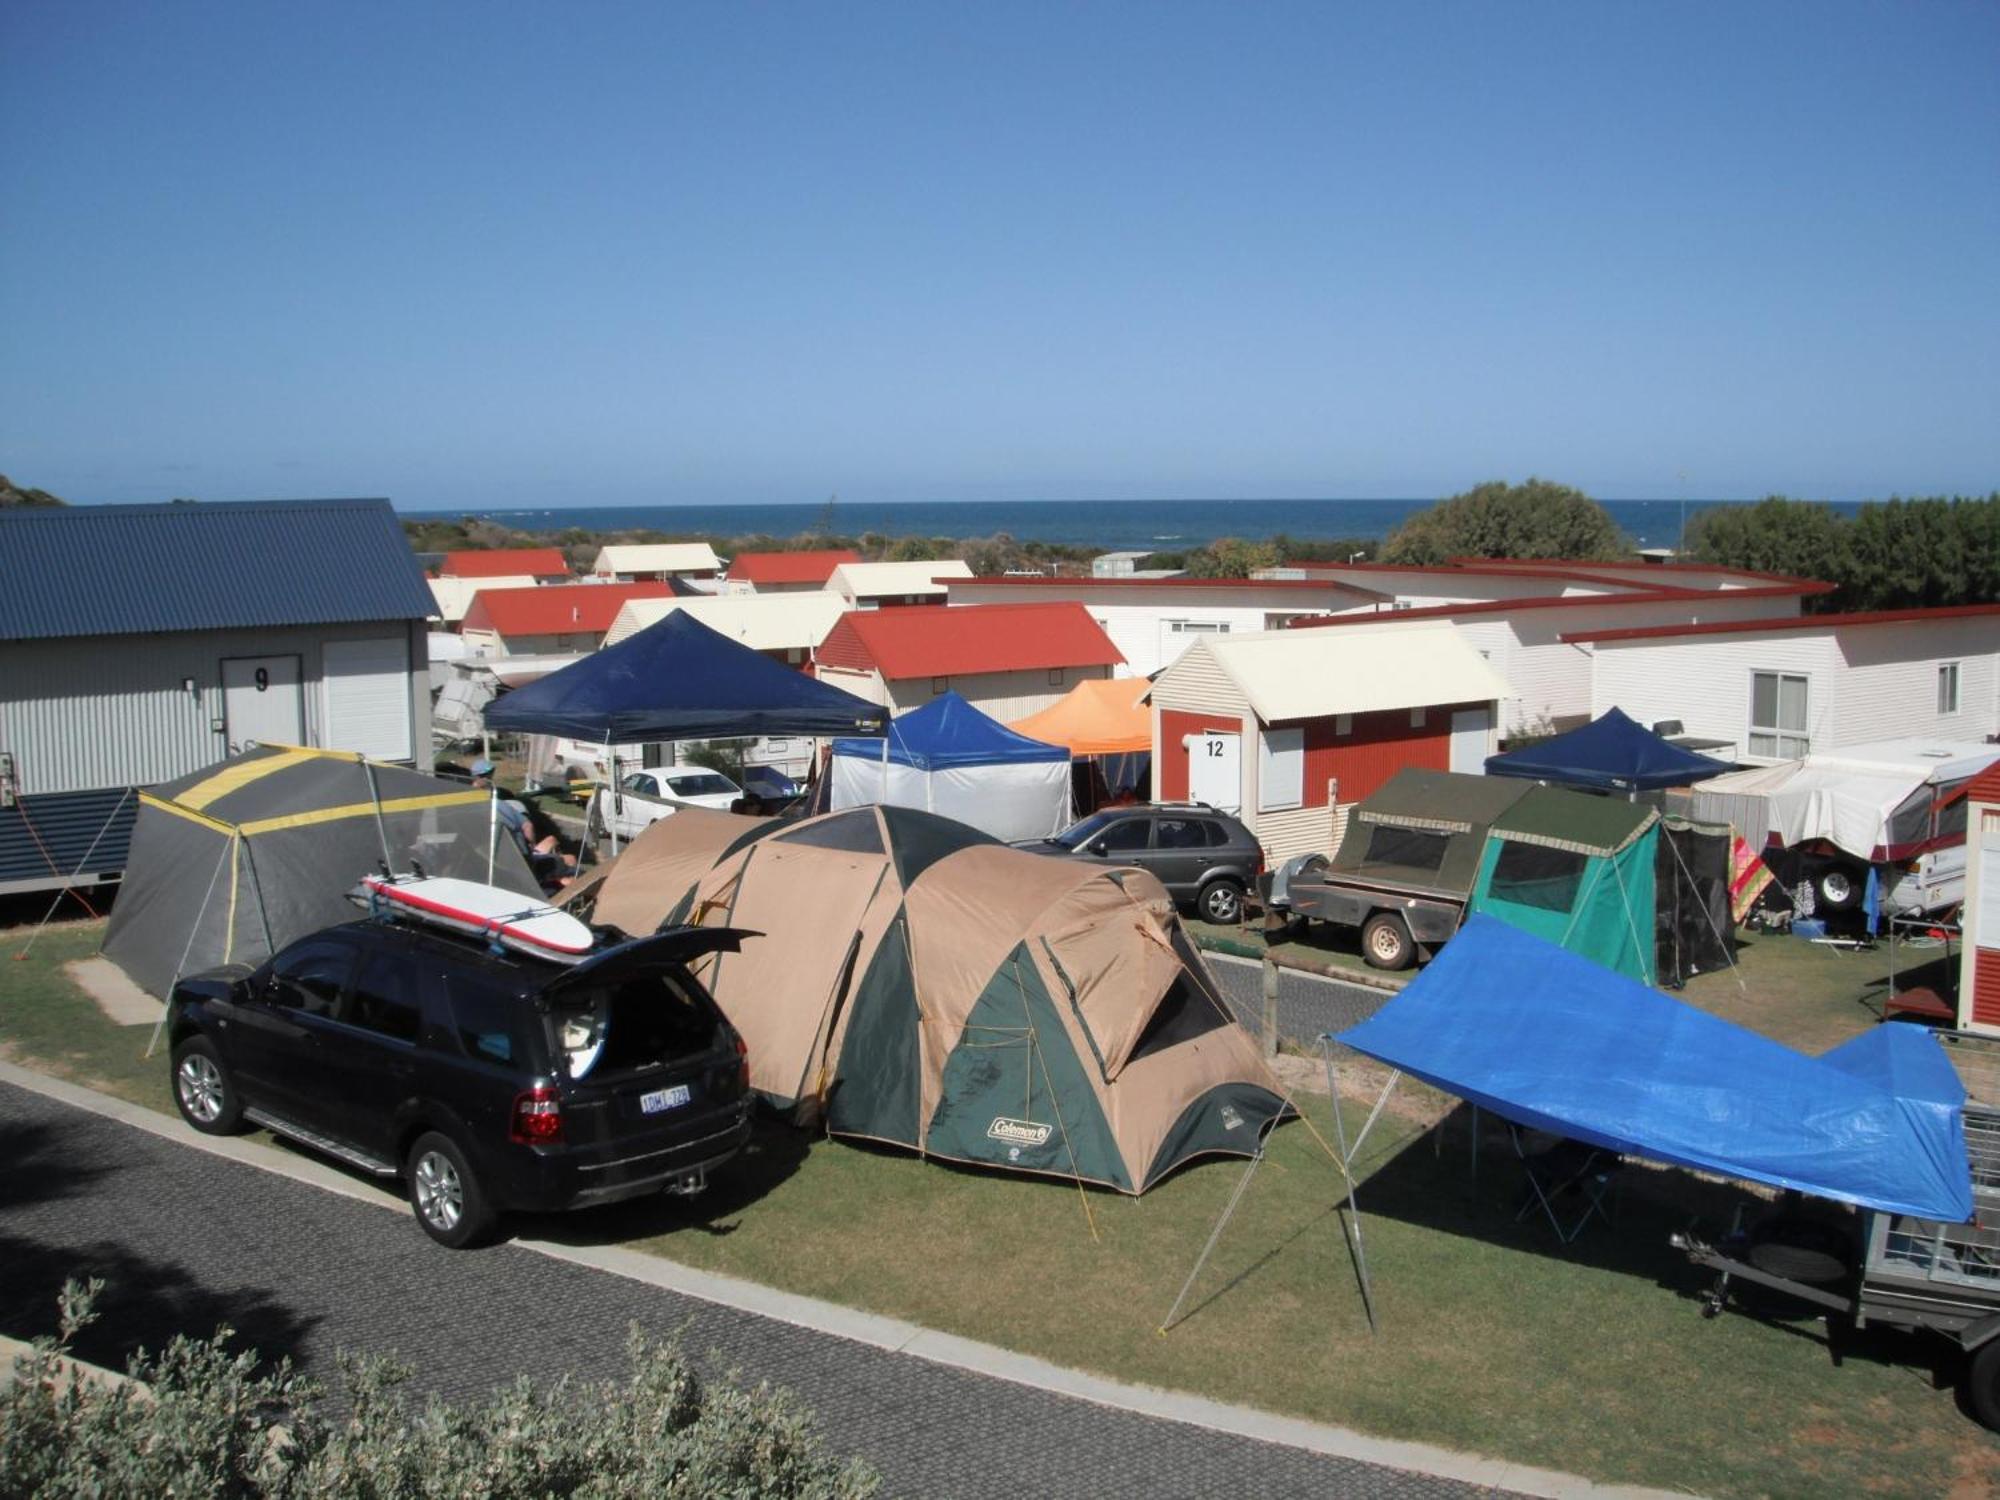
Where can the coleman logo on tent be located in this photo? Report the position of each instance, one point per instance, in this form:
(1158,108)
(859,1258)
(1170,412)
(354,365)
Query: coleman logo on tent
(1230,1118)
(1019,1132)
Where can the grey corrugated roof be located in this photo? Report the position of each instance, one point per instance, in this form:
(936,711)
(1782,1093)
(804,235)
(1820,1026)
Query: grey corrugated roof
(131,569)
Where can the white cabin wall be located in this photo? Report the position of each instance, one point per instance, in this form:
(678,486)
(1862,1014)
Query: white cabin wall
(1889,680)
(1704,681)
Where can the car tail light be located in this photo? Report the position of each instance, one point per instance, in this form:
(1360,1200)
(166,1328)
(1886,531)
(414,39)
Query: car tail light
(537,1118)
(1260,866)
(743,1062)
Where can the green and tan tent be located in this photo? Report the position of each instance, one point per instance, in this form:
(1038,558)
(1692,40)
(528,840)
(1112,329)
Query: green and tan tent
(922,984)
(233,862)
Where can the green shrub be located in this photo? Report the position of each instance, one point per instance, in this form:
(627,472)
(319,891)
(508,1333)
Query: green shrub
(209,1422)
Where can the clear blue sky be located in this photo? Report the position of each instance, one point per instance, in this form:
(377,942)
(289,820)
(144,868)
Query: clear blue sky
(605,253)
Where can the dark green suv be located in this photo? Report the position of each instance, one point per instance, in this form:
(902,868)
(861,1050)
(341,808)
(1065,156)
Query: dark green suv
(1206,859)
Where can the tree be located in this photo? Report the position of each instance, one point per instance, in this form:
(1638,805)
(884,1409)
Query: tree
(1897,554)
(1537,519)
(1231,557)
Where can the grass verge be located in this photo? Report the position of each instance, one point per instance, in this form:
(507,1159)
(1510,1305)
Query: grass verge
(1494,1339)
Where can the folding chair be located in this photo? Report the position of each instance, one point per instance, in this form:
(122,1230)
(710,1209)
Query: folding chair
(1568,1176)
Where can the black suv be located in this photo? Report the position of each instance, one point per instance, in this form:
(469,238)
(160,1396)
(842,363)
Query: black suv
(1203,857)
(487,1080)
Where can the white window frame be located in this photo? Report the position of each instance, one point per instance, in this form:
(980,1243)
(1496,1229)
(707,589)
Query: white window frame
(1948,684)
(1777,741)
(1281,770)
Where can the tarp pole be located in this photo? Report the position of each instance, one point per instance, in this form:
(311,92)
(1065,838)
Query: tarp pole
(492,829)
(381,823)
(1214,1235)
(611,818)
(228,847)
(1360,1253)
(263,913)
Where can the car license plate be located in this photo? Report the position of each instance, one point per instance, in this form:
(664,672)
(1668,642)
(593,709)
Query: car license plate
(662,1100)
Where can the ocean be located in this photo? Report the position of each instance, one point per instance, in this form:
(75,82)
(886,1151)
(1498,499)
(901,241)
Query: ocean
(1109,525)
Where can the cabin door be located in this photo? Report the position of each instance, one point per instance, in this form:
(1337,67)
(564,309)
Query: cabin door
(262,702)
(1471,737)
(1215,770)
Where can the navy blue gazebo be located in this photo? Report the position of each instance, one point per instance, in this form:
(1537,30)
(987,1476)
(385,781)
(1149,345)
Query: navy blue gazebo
(1610,753)
(681,680)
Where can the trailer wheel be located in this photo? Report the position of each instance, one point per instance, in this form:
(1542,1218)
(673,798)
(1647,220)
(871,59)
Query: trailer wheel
(1981,1384)
(1838,887)
(1386,942)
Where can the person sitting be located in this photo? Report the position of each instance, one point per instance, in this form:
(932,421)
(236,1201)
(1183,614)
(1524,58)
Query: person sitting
(545,858)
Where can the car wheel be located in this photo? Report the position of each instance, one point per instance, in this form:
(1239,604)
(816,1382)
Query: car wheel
(447,1198)
(1982,1384)
(203,1090)
(1838,887)
(1386,943)
(1221,902)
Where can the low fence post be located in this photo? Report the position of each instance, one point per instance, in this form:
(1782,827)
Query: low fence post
(1270,1036)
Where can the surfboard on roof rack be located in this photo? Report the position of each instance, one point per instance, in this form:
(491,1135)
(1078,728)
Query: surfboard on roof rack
(533,928)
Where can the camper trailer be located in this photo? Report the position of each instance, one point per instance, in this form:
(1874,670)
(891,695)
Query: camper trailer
(1896,807)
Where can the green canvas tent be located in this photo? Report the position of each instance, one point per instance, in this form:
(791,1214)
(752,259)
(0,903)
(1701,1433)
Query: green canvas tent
(1426,829)
(233,862)
(1578,871)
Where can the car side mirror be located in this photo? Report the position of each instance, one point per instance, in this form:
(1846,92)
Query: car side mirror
(1099,847)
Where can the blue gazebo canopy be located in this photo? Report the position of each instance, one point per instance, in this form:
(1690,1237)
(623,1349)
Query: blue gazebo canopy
(680,680)
(1610,753)
(949,732)
(1555,1042)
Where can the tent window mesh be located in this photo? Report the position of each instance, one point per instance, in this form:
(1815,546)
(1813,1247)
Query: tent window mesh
(1406,848)
(1532,875)
(1184,1013)
(853,833)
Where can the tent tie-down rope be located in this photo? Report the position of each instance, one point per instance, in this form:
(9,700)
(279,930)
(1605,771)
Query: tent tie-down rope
(228,852)
(69,888)
(1035,1053)
(1343,1162)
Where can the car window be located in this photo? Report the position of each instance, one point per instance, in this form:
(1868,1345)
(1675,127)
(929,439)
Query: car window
(701,784)
(644,1020)
(490,1023)
(642,784)
(1080,833)
(1218,836)
(385,996)
(1180,833)
(1123,836)
(310,976)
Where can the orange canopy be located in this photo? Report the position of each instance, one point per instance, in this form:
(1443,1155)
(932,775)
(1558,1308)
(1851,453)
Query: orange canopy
(1100,717)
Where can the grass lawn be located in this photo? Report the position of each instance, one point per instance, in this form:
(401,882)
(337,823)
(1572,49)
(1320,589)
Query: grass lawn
(1591,1358)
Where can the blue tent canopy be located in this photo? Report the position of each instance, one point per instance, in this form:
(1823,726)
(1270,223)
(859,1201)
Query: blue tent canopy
(1611,753)
(1554,1042)
(680,680)
(948,733)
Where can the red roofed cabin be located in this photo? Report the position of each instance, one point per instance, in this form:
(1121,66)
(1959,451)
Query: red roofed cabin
(1979,963)
(543,564)
(1008,660)
(784,572)
(538,621)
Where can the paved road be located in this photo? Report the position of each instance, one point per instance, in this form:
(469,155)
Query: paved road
(1308,1006)
(186,1239)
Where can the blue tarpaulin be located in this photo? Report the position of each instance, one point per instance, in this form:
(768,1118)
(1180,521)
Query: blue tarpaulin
(949,733)
(680,680)
(1610,753)
(1552,1041)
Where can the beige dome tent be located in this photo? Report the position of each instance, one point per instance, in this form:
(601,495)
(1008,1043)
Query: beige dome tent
(922,984)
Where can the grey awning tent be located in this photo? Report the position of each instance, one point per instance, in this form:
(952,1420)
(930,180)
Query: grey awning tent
(1610,753)
(680,680)
(233,862)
